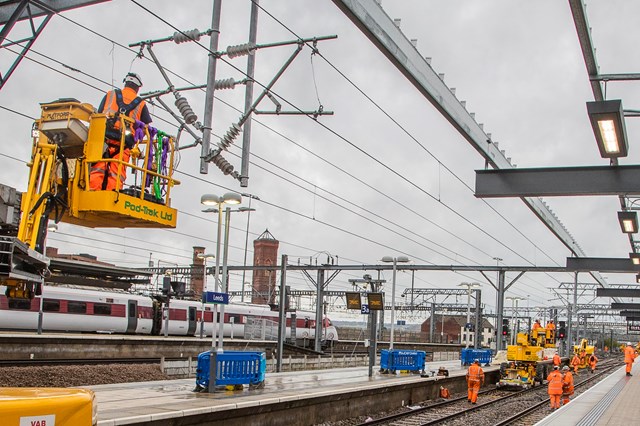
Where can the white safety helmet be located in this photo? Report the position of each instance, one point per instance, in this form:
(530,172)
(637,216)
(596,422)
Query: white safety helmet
(133,78)
(629,344)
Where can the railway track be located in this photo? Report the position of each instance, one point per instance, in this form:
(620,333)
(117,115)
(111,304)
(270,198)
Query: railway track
(495,407)
(54,362)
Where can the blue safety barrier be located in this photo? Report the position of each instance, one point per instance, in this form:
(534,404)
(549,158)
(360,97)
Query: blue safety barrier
(232,368)
(467,356)
(392,360)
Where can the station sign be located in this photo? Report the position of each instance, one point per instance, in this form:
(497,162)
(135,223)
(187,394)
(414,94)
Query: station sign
(353,300)
(633,328)
(375,301)
(217,298)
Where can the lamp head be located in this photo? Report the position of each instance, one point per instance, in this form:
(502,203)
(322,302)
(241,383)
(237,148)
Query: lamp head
(232,198)
(210,200)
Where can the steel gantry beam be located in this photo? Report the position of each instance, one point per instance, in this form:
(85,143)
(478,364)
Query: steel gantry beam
(14,11)
(380,29)
(558,181)
(602,264)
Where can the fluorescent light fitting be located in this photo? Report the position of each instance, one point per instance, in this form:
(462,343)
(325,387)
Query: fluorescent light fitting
(628,221)
(609,137)
(607,121)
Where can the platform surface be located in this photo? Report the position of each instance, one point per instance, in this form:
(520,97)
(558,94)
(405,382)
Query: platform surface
(128,403)
(615,401)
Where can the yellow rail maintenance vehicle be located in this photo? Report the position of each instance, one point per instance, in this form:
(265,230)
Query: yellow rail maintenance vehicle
(48,407)
(69,143)
(522,369)
(584,351)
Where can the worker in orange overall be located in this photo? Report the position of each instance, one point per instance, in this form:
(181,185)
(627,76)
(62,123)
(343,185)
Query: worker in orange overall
(629,357)
(575,363)
(475,378)
(536,325)
(567,385)
(554,379)
(444,393)
(593,361)
(556,359)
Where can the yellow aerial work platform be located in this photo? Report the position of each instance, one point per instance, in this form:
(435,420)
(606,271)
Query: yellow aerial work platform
(71,145)
(76,130)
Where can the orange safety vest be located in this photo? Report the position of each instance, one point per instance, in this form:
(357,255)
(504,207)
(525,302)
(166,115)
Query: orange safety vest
(555,383)
(556,359)
(105,175)
(575,360)
(567,383)
(629,354)
(475,373)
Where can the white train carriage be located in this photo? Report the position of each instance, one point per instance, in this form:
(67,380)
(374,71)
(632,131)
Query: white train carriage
(79,310)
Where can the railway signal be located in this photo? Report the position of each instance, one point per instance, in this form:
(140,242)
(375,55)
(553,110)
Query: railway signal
(505,327)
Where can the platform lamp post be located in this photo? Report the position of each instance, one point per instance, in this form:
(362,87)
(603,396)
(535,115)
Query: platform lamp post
(204,257)
(215,200)
(467,325)
(225,275)
(394,260)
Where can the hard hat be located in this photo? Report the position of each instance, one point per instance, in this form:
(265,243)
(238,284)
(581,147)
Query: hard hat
(133,78)
(565,368)
(476,360)
(629,344)
(555,367)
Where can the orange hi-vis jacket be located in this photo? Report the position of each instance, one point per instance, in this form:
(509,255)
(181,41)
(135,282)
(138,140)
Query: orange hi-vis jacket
(629,354)
(556,359)
(128,95)
(575,360)
(110,175)
(555,383)
(475,373)
(567,383)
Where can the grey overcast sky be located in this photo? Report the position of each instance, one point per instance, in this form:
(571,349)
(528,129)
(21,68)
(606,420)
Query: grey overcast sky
(362,187)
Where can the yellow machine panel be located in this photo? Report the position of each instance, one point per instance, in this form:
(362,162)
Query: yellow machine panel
(523,353)
(48,406)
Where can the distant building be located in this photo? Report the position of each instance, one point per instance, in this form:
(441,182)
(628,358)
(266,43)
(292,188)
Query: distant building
(265,253)
(84,257)
(450,329)
(197,277)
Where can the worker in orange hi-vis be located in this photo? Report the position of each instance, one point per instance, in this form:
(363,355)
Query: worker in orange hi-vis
(554,380)
(567,385)
(475,379)
(556,359)
(575,363)
(536,325)
(629,357)
(593,361)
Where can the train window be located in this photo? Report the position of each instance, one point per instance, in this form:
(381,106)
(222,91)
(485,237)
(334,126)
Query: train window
(19,304)
(51,305)
(75,307)
(101,309)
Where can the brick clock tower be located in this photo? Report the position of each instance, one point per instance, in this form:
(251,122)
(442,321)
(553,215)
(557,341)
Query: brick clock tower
(197,272)
(265,253)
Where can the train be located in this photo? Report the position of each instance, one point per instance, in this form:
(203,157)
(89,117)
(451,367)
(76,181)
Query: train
(82,310)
